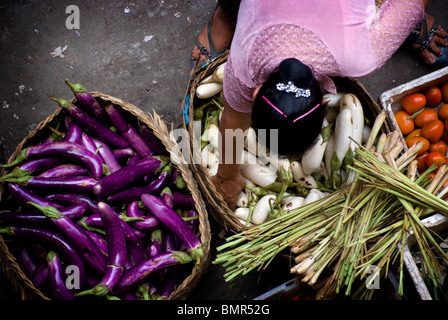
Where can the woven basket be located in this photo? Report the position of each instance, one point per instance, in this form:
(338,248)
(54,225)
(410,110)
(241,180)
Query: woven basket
(8,263)
(215,202)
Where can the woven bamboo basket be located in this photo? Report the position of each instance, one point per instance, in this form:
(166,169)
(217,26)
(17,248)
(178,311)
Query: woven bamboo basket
(9,264)
(215,202)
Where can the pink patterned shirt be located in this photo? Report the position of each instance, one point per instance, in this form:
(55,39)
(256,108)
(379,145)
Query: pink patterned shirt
(348,38)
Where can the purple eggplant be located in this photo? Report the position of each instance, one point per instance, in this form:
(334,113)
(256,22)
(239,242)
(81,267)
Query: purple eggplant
(133,236)
(192,220)
(65,170)
(167,197)
(92,126)
(141,271)
(123,153)
(128,131)
(75,211)
(100,241)
(157,184)
(175,223)
(127,175)
(134,193)
(86,101)
(183,199)
(52,238)
(36,166)
(107,155)
(27,219)
(72,184)
(25,196)
(87,143)
(78,237)
(148,223)
(133,160)
(172,243)
(152,141)
(55,274)
(128,194)
(156,243)
(116,244)
(72,199)
(69,150)
(136,141)
(177,179)
(40,277)
(74,134)
(116,117)
(26,261)
(170,282)
(37,219)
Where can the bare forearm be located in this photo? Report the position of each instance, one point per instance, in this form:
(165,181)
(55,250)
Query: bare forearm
(232,125)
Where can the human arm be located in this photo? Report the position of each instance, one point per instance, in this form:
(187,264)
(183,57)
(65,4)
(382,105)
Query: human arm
(228,180)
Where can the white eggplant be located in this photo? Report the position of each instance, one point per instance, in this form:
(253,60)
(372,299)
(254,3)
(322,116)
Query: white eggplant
(241,213)
(313,156)
(351,101)
(249,183)
(321,172)
(251,143)
(258,173)
(300,177)
(333,99)
(263,208)
(218,74)
(213,169)
(207,90)
(312,196)
(205,155)
(242,200)
(292,203)
(213,135)
(331,115)
(342,133)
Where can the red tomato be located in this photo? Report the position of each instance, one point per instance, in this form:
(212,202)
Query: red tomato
(433,96)
(411,141)
(415,133)
(443,112)
(435,158)
(433,130)
(445,136)
(421,162)
(404,122)
(413,102)
(444,89)
(439,146)
(425,117)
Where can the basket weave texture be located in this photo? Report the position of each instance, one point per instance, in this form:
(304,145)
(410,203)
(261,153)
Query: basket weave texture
(217,207)
(9,264)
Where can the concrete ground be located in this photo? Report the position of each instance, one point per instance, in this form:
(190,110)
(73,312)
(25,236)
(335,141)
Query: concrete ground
(134,50)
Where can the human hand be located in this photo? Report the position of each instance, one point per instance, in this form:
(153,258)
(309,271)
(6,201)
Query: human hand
(229,187)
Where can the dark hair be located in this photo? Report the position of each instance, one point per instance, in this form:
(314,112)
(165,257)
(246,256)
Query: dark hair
(293,137)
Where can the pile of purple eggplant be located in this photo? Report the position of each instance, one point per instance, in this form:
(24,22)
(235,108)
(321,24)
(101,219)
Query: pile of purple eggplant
(97,209)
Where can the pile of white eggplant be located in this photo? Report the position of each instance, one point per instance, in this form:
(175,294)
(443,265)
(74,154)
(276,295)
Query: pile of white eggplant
(274,184)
